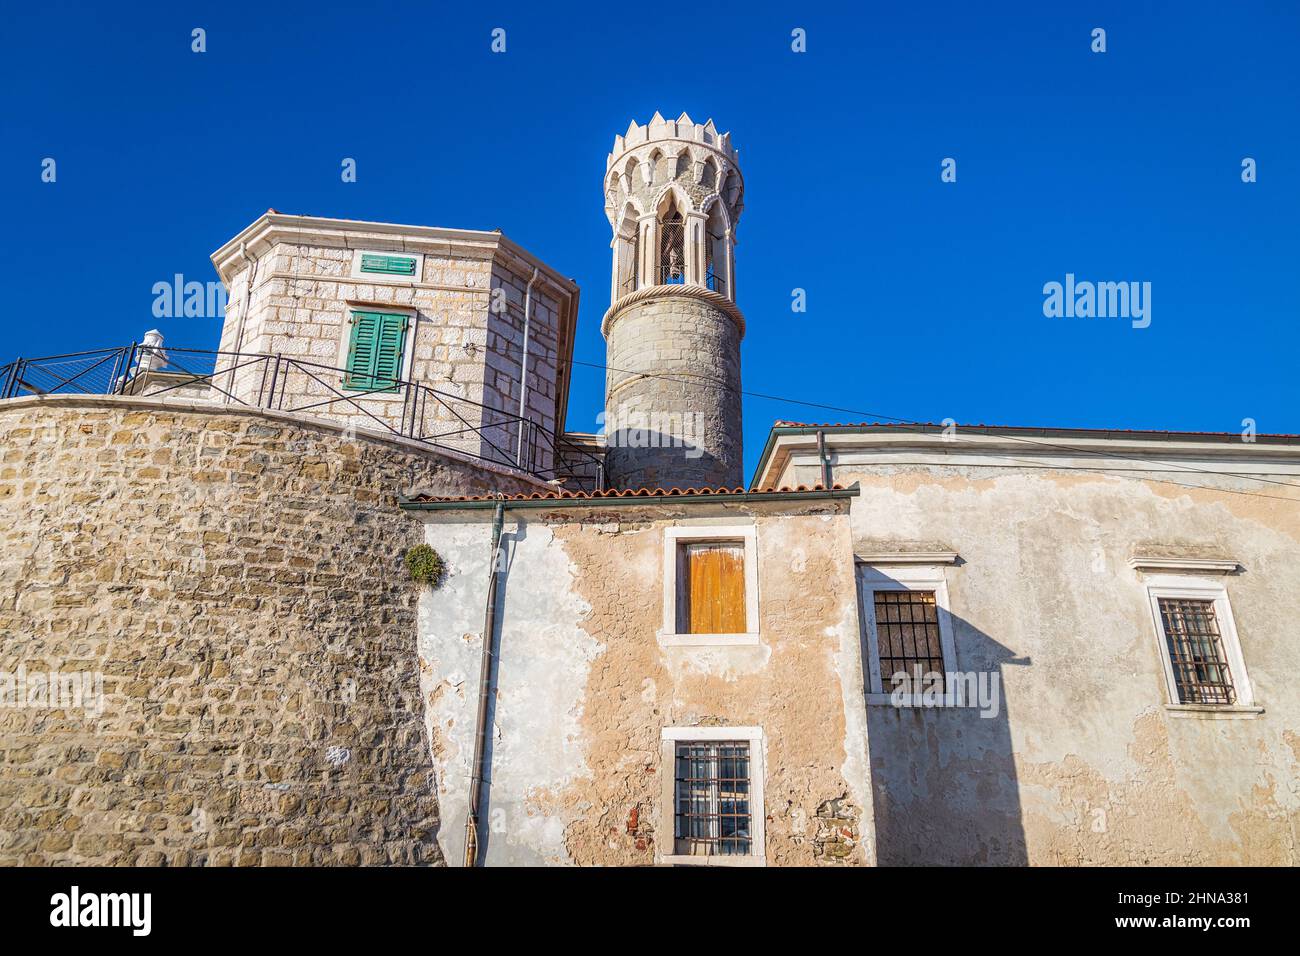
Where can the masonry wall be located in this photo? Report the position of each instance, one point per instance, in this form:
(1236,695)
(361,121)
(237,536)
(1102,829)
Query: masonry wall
(238,580)
(585,687)
(470,355)
(672,405)
(1085,764)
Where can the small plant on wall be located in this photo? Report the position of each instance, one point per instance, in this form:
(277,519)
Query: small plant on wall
(426,565)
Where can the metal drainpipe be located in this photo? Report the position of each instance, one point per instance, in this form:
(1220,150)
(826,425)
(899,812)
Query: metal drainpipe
(523,377)
(484,692)
(825,459)
(248,294)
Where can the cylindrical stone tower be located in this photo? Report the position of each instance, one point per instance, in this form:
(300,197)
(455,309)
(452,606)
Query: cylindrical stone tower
(673,193)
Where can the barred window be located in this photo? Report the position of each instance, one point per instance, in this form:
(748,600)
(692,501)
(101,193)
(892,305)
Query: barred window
(907,634)
(712,788)
(1196,652)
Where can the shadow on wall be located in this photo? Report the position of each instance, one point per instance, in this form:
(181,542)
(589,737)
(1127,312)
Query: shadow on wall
(944,784)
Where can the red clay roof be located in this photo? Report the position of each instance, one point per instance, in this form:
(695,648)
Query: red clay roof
(629,493)
(780,423)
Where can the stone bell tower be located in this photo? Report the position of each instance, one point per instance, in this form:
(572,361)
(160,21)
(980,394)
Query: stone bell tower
(673,194)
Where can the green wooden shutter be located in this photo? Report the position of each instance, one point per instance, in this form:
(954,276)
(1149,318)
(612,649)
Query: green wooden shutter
(388,355)
(389,265)
(375,351)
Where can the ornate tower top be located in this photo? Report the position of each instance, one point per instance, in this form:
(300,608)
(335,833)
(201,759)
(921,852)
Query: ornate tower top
(673,194)
(682,128)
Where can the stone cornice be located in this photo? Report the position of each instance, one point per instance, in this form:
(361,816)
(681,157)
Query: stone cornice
(1140,562)
(720,302)
(272,227)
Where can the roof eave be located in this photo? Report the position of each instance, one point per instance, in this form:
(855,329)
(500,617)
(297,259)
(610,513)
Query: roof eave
(485,504)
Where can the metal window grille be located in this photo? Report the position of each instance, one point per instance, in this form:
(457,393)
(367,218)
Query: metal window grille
(1196,652)
(713,793)
(907,634)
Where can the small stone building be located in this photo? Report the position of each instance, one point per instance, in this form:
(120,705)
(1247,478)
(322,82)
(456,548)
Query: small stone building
(482,329)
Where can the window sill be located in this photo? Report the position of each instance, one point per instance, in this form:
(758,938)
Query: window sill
(674,859)
(365,395)
(710,640)
(1213,711)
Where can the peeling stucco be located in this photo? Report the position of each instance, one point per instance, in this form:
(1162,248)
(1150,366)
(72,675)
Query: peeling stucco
(581,655)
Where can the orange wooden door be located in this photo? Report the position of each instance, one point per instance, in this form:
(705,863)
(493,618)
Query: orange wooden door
(713,599)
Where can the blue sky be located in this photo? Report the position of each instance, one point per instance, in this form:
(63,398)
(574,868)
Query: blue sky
(924,298)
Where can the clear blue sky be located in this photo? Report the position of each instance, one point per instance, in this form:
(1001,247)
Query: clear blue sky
(924,298)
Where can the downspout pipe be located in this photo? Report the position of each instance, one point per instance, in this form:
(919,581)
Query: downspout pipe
(248,294)
(484,691)
(825,458)
(523,375)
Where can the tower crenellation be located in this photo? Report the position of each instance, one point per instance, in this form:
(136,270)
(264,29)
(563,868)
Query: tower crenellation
(673,195)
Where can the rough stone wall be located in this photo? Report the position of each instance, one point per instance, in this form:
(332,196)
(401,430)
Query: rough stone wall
(584,687)
(1084,764)
(696,347)
(300,309)
(238,580)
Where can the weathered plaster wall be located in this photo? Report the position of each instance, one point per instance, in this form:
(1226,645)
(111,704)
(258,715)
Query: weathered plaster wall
(585,687)
(1085,765)
(237,578)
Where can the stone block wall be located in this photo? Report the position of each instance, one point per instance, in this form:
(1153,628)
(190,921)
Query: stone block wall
(238,581)
(674,366)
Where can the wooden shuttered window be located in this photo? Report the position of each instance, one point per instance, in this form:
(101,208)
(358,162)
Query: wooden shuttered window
(375,351)
(711,588)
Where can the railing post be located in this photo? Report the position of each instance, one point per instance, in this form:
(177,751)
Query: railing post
(10,382)
(117,368)
(120,388)
(261,386)
(275,374)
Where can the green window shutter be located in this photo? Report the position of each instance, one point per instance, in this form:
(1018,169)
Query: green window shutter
(388,355)
(375,351)
(388,265)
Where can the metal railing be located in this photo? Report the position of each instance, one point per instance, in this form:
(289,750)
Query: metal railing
(671,276)
(714,281)
(258,380)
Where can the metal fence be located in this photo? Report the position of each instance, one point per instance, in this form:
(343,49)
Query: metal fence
(255,380)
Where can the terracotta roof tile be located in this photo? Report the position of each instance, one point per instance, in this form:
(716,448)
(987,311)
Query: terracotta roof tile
(627,493)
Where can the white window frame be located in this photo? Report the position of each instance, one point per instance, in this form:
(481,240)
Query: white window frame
(405,373)
(1185,586)
(909,577)
(669,738)
(747,535)
(381,278)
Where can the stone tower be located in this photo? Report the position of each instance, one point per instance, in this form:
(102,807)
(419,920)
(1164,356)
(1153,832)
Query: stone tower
(673,194)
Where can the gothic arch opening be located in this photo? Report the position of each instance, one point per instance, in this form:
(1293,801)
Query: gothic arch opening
(672,242)
(626,249)
(717,250)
